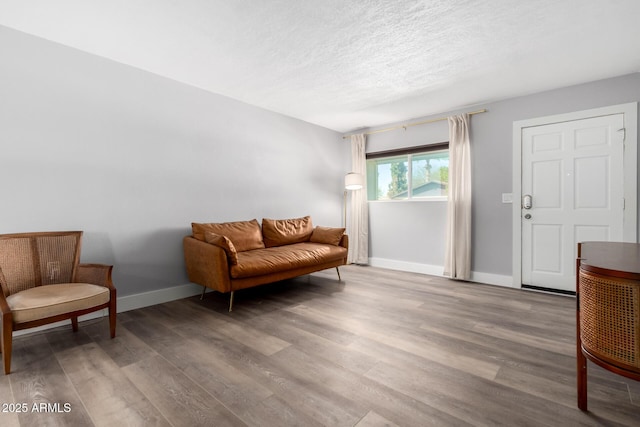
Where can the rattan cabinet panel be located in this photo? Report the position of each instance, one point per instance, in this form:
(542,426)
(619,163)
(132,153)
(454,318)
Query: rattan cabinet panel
(608,310)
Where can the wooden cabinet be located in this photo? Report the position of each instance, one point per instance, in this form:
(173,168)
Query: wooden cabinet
(608,310)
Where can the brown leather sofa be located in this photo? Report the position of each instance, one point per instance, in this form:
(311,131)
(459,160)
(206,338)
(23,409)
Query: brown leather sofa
(230,256)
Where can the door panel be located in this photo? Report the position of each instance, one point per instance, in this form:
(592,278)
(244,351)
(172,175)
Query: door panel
(547,248)
(546,142)
(592,183)
(546,183)
(574,173)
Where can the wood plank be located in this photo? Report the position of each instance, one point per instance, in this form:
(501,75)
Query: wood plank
(107,394)
(357,391)
(277,412)
(222,380)
(563,392)
(126,348)
(260,341)
(38,380)
(8,414)
(284,381)
(288,329)
(550,344)
(374,420)
(154,334)
(410,342)
(472,399)
(525,358)
(179,399)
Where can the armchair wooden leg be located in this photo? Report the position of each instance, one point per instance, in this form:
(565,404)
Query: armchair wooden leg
(7,337)
(204,288)
(231,302)
(339,278)
(74,324)
(112,317)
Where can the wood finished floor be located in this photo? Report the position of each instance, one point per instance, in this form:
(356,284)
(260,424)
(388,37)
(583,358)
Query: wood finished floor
(379,348)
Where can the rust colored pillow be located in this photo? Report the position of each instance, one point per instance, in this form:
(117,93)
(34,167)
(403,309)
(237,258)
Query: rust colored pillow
(224,243)
(245,235)
(328,235)
(278,232)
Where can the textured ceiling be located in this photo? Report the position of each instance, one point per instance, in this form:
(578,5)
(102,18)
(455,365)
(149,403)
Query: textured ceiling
(348,64)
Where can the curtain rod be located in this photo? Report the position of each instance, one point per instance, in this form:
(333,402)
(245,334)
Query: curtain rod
(439,119)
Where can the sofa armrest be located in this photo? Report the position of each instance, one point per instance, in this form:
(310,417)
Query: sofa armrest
(206,264)
(344,242)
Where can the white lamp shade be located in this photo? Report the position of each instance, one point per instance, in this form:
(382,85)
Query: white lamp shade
(353,181)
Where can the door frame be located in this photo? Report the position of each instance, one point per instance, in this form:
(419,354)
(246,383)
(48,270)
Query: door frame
(630,221)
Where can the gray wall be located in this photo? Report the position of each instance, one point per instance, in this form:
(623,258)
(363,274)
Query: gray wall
(132,159)
(413,232)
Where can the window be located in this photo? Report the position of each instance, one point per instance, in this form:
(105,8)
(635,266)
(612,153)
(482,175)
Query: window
(415,174)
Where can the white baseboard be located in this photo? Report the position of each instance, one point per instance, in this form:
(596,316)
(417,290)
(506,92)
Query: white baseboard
(145,299)
(410,267)
(437,270)
(129,302)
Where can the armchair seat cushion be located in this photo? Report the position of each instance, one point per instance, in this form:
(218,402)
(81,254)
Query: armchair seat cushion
(51,300)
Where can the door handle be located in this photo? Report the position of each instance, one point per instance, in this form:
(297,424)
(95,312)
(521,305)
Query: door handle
(527,201)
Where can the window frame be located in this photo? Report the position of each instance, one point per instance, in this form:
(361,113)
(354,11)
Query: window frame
(408,153)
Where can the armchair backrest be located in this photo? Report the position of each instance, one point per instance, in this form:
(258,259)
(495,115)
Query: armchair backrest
(34,259)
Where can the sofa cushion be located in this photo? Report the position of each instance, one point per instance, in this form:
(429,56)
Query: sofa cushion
(222,242)
(50,300)
(282,258)
(278,232)
(245,235)
(328,235)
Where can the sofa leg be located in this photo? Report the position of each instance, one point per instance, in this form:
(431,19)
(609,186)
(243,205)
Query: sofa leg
(231,302)
(339,278)
(204,288)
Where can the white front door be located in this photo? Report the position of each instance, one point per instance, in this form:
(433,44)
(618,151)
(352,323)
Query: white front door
(572,191)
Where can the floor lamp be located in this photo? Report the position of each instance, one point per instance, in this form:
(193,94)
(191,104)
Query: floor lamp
(352,181)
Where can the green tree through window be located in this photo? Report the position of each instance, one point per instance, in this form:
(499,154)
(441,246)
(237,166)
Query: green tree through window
(399,182)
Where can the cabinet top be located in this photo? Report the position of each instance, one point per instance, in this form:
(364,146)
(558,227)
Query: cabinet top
(611,258)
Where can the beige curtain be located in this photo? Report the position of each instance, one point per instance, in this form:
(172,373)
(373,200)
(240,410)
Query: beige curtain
(457,260)
(358,219)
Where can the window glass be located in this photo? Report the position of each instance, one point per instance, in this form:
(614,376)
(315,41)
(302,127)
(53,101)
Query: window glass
(415,175)
(391,178)
(430,174)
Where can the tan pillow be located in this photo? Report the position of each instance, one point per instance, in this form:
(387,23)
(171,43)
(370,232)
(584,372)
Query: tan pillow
(224,243)
(328,235)
(278,232)
(245,235)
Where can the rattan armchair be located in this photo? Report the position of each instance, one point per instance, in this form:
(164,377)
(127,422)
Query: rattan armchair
(43,282)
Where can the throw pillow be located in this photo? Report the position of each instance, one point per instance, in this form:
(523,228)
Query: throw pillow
(278,232)
(224,243)
(328,235)
(245,235)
